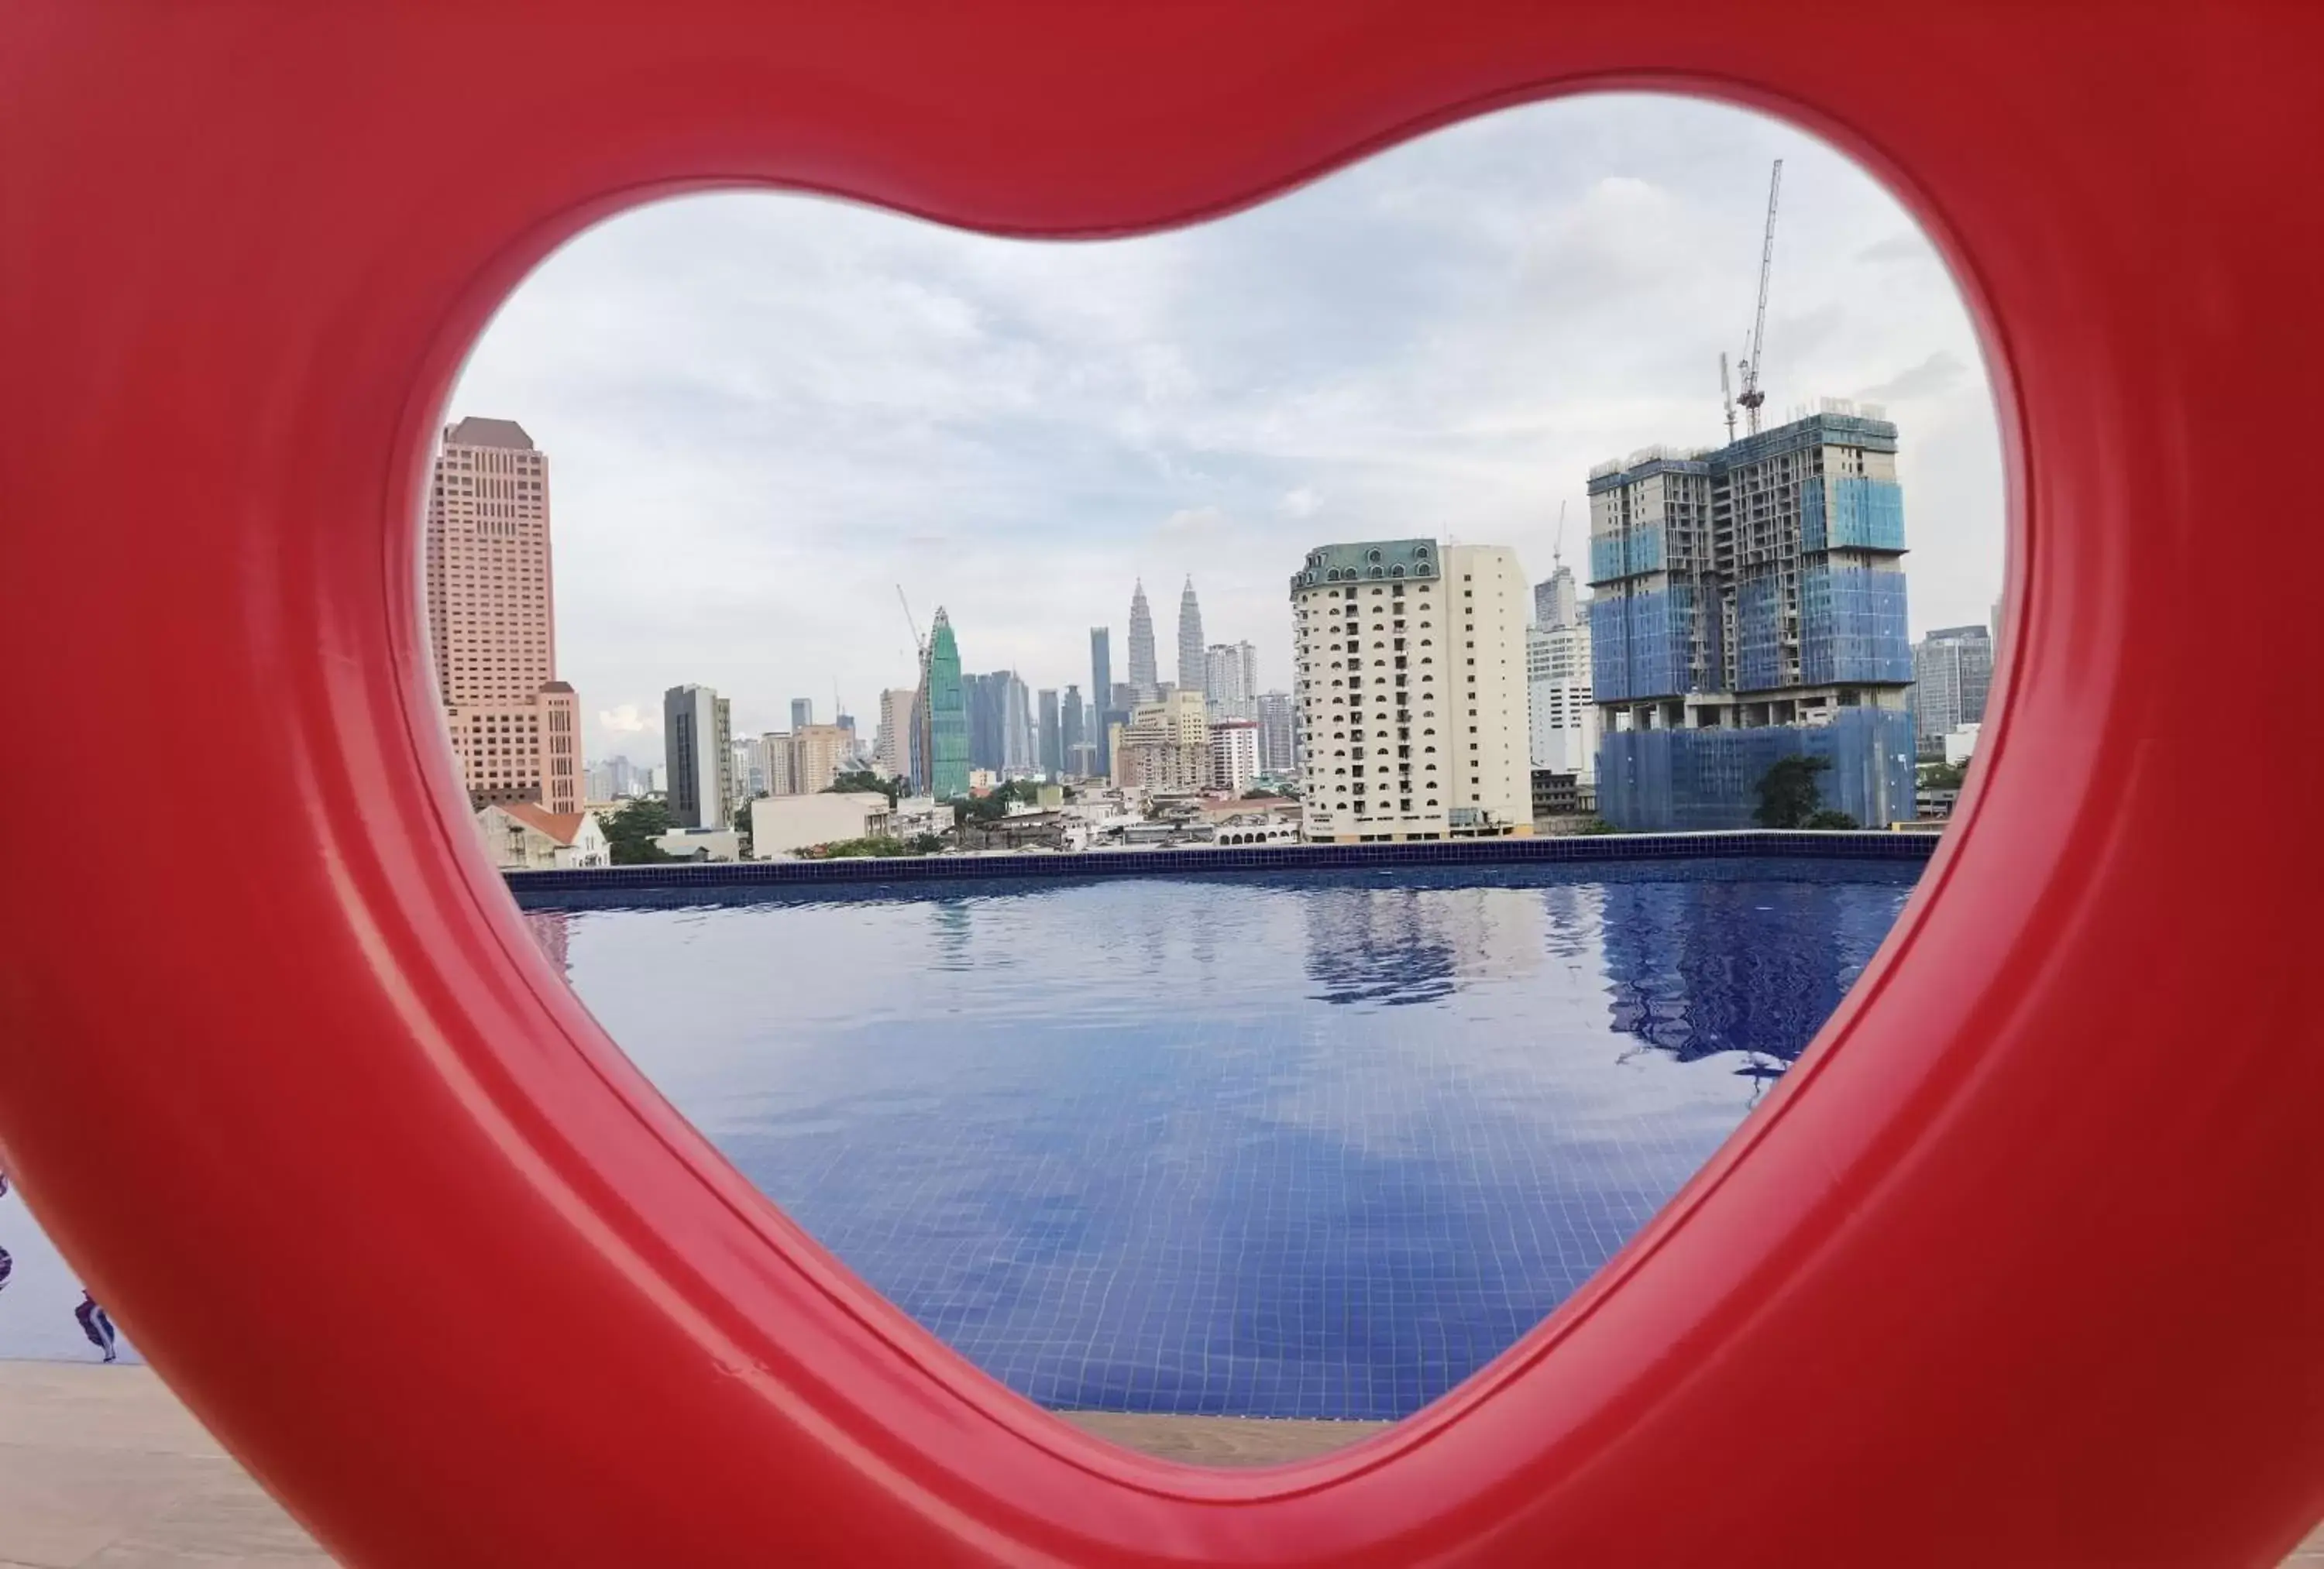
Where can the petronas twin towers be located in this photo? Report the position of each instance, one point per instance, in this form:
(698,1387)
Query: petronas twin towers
(1144,675)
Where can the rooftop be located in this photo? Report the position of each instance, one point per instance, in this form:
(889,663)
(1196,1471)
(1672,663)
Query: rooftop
(474,431)
(1364,559)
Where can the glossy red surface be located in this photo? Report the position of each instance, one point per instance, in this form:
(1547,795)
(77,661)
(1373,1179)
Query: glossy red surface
(285,1078)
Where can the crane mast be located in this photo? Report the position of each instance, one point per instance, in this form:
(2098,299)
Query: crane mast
(1751,396)
(1727,395)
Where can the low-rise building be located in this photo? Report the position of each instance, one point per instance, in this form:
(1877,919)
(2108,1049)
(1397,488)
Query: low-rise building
(783,825)
(521,836)
(701,844)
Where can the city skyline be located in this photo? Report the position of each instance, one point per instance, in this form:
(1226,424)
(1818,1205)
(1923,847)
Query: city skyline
(814,402)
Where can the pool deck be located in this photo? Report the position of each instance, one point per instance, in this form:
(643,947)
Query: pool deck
(101,1468)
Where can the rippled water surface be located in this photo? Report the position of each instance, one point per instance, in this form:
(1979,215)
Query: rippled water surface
(1309,1145)
(1318,1144)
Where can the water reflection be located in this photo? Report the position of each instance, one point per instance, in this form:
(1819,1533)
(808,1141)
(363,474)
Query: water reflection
(1278,1144)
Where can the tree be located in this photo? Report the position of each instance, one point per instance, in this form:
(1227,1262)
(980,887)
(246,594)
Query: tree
(1942,775)
(630,833)
(1825,817)
(1787,793)
(1596,825)
(861,780)
(742,829)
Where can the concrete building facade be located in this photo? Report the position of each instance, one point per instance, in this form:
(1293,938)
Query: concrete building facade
(696,729)
(1231,681)
(891,745)
(1100,694)
(1234,754)
(1411,692)
(1747,605)
(492,620)
(1278,733)
(1953,676)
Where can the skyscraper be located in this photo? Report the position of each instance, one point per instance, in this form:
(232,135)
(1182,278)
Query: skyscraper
(492,620)
(1747,605)
(891,747)
(1553,603)
(945,727)
(1052,736)
(1073,737)
(802,713)
(1145,680)
(1231,680)
(1190,642)
(1279,744)
(698,733)
(1101,688)
(1952,673)
(1411,691)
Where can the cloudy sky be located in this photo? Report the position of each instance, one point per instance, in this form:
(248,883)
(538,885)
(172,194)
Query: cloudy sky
(763,412)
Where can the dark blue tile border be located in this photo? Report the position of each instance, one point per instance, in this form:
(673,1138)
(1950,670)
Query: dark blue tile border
(541,888)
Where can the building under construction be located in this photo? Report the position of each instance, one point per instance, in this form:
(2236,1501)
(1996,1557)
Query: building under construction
(1750,605)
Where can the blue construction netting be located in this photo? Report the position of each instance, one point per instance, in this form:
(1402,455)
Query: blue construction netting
(1702,781)
(1848,511)
(1641,645)
(1618,555)
(1758,632)
(1853,626)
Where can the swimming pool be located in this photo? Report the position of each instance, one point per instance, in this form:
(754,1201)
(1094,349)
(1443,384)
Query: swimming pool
(1313,1144)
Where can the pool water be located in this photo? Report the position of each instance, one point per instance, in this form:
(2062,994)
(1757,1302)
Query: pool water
(1305,1145)
(1315,1144)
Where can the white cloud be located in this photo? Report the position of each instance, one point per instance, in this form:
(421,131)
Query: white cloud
(764,412)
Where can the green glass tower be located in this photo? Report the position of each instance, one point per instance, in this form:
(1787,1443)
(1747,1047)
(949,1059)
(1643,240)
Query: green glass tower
(947,714)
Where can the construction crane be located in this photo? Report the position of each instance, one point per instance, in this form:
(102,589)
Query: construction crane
(1557,545)
(1750,398)
(919,644)
(1726,393)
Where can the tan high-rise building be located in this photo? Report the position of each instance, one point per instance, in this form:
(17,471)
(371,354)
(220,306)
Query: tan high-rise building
(492,620)
(819,755)
(1411,690)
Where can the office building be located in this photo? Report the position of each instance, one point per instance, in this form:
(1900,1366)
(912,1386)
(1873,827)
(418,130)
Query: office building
(1101,692)
(1278,734)
(1748,605)
(1231,681)
(698,732)
(891,744)
(1411,691)
(775,764)
(1191,674)
(943,722)
(1952,673)
(1145,680)
(1050,733)
(746,766)
(1234,754)
(802,713)
(1564,717)
(1073,734)
(492,620)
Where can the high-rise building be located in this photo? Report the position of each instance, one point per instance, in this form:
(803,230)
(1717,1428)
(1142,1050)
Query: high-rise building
(1144,679)
(1278,734)
(1234,754)
(1748,605)
(748,769)
(1231,680)
(1564,719)
(1191,674)
(819,754)
(775,757)
(1165,745)
(945,728)
(1101,689)
(1073,734)
(1050,738)
(492,620)
(1553,601)
(891,745)
(697,731)
(1411,691)
(1953,674)
(802,713)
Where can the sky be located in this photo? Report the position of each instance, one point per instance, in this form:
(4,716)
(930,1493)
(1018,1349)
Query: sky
(763,412)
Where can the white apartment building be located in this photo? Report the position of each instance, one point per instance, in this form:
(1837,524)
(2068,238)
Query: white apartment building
(1231,681)
(525,836)
(1411,691)
(1564,721)
(1234,754)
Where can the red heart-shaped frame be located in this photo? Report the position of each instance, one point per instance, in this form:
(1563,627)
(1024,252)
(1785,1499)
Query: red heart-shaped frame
(2021,1266)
